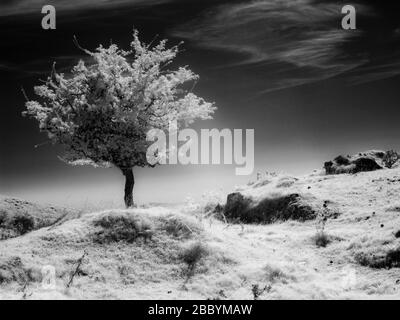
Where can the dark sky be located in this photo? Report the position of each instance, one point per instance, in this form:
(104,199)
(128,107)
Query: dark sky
(285,68)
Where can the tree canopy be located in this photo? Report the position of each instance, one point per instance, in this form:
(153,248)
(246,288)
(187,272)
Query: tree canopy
(102,110)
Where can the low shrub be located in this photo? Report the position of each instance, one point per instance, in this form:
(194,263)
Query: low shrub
(379,260)
(14,226)
(120,227)
(22,223)
(390,158)
(192,254)
(179,227)
(13,270)
(321,239)
(3,217)
(257,291)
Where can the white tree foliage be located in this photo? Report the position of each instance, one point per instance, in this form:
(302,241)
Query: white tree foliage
(102,111)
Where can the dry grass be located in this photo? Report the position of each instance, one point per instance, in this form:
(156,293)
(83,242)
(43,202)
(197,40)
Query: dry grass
(226,261)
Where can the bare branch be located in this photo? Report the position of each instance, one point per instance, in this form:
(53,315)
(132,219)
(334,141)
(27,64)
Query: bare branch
(41,144)
(152,41)
(193,86)
(80,48)
(53,71)
(24,93)
(77,269)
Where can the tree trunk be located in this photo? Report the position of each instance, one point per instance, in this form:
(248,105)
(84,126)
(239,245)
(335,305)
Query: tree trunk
(129,183)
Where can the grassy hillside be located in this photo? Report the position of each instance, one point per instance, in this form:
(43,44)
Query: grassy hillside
(18,217)
(347,247)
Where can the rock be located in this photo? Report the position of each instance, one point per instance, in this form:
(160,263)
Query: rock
(236,205)
(268,210)
(366,161)
(366,164)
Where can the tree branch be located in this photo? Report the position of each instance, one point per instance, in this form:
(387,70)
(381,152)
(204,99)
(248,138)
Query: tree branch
(80,48)
(24,93)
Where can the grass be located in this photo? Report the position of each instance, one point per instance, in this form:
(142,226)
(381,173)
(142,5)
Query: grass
(18,217)
(126,268)
(275,274)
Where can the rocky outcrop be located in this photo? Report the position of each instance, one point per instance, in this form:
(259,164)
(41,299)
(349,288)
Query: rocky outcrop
(361,162)
(239,208)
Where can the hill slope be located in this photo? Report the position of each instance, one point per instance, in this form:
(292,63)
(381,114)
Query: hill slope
(160,253)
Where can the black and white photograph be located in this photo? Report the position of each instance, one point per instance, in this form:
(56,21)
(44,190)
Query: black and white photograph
(226,152)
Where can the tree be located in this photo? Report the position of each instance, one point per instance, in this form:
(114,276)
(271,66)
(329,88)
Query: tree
(102,111)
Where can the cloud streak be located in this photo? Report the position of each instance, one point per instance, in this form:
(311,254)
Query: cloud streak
(303,37)
(17,7)
(42,67)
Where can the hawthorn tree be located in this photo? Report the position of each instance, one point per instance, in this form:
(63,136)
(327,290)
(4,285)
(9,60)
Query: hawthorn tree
(102,110)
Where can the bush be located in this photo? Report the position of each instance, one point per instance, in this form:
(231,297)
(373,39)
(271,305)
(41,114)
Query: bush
(177,227)
(192,254)
(390,158)
(321,239)
(380,260)
(257,291)
(116,228)
(3,217)
(15,226)
(13,270)
(22,223)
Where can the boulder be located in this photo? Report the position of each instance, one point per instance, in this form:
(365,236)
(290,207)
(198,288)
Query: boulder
(364,161)
(240,208)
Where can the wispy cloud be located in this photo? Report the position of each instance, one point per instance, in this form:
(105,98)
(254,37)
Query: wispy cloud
(16,7)
(383,71)
(304,37)
(42,67)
